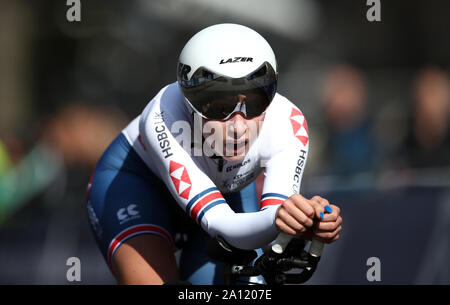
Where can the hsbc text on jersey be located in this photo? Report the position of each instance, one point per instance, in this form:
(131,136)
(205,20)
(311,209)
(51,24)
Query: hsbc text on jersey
(298,171)
(162,138)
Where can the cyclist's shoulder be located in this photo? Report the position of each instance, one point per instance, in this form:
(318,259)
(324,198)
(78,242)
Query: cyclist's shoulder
(168,96)
(167,103)
(171,92)
(281,104)
(284,120)
(282,114)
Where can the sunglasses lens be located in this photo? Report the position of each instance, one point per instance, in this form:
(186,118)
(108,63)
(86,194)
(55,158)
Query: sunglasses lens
(217,97)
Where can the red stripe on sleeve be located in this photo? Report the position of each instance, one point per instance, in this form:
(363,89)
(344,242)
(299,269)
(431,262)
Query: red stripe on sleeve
(270,201)
(207,199)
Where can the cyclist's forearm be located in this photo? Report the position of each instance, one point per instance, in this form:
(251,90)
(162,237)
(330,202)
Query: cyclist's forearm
(242,230)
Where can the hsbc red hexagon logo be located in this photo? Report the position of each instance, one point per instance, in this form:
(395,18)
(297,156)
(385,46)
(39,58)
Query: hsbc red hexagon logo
(180,179)
(299,126)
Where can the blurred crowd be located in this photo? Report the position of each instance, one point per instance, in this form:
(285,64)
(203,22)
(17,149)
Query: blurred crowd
(74,138)
(355,144)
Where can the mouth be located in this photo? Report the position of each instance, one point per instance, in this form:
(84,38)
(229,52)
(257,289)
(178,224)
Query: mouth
(236,148)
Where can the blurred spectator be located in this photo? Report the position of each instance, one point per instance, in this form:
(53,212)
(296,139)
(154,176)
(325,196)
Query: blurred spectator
(350,146)
(427,143)
(73,139)
(82,133)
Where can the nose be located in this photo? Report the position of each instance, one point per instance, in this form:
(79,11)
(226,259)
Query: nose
(237,126)
(241,98)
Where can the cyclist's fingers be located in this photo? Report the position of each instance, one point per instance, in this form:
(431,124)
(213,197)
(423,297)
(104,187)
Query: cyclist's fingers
(319,204)
(298,214)
(330,230)
(333,212)
(327,241)
(327,235)
(330,217)
(290,220)
(303,204)
(320,200)
(329,225)
(283,227)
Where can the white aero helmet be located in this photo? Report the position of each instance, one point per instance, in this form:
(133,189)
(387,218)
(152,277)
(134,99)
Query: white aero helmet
(227,68)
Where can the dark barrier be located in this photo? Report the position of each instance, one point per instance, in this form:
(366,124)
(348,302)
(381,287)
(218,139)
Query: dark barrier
(407,229)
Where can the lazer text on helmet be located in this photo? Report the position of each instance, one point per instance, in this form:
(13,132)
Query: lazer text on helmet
(236,59)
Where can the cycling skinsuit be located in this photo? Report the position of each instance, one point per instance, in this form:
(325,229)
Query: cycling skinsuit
(149,181)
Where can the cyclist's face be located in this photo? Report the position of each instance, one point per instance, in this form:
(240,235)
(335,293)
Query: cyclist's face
(234,135)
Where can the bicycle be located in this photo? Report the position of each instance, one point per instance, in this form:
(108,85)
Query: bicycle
(285,255)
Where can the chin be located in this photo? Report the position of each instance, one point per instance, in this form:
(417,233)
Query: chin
(234,158)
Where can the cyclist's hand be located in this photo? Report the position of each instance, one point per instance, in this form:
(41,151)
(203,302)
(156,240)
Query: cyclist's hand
(327,229)
(296,215)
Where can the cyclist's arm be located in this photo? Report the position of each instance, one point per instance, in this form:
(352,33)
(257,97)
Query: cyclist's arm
(286,162)
(195,192)
(284,170)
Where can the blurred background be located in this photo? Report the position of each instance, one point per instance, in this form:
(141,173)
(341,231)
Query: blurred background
(376,96)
